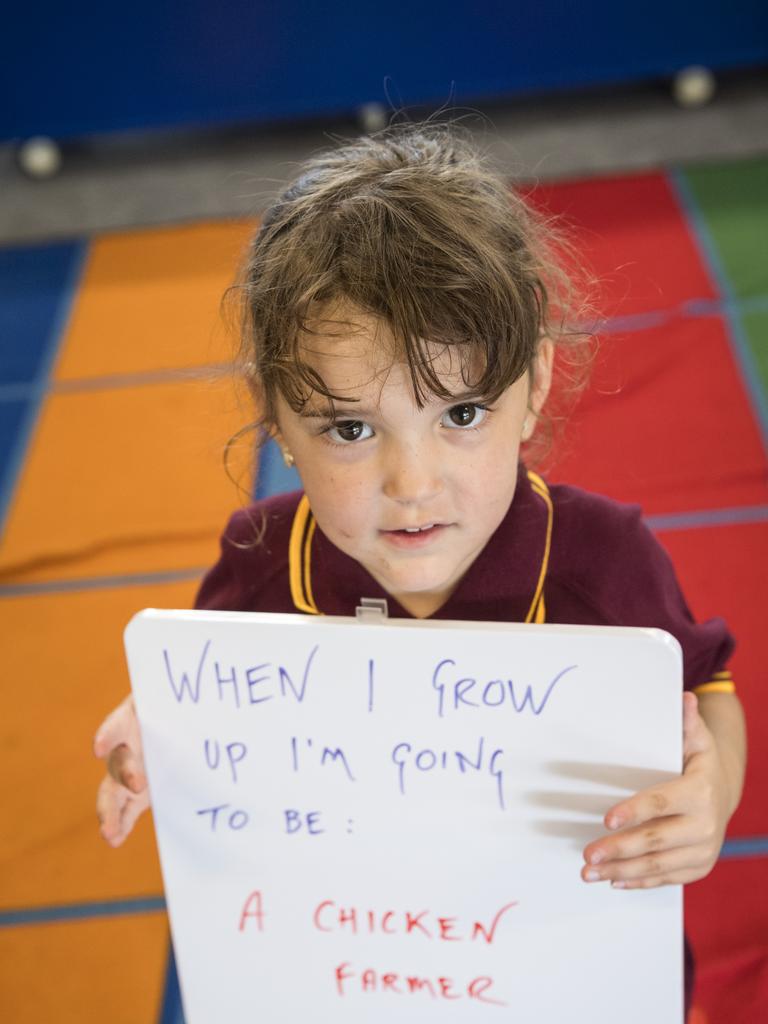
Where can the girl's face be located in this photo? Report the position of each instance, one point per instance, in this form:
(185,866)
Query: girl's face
(412,494)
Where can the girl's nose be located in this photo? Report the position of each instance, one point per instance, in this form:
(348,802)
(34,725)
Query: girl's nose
(411,475)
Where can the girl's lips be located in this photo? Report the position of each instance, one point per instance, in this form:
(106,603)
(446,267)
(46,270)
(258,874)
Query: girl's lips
(403,539)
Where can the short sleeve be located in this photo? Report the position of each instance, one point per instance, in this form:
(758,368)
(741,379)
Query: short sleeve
(252,571)
(222,586)
(624,575)
(653,596)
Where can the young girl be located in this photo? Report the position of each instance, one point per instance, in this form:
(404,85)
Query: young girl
(402,316)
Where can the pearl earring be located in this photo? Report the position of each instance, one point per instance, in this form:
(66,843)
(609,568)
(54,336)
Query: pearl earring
(288,459)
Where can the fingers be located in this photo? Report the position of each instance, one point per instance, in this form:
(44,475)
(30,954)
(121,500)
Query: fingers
(118,743)
(110,800)
(673,849)
(654,802)
(670,866)
(120,726)
(675,840)
(697,739)
(664,800)
(126,768)
(640,842)
(118,809)
(123,793)
(672,878)
(671,833)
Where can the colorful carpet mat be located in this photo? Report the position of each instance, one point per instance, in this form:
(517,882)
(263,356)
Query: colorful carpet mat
(115,405)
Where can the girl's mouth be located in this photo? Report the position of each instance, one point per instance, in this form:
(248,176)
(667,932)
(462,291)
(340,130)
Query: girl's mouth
(414,536)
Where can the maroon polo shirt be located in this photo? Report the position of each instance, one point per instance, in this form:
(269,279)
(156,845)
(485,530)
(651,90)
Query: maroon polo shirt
(561,555)
(590,560)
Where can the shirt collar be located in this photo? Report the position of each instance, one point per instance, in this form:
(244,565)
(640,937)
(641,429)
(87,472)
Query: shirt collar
(504,583)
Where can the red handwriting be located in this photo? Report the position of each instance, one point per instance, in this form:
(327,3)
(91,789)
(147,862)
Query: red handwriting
(370,981)
(328,916)
(253,909)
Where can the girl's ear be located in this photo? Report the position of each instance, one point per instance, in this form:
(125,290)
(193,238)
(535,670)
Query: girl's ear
(274,433)
(541,375)
(540,381)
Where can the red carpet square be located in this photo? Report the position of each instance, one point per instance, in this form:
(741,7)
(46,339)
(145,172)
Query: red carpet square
(666,422)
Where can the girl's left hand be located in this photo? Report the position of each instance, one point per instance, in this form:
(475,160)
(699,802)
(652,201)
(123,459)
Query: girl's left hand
(671,833)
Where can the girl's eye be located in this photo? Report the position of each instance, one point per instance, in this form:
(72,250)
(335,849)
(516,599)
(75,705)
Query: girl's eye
(468,414)
(348,431)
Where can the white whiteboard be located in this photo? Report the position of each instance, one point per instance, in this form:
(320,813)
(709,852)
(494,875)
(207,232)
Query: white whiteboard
(369,822)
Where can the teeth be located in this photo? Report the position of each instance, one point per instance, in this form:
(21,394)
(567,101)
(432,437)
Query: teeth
(418,529)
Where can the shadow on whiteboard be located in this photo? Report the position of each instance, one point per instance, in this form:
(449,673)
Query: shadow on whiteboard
(588,804)
(595,804)
(578,832)
(627,777)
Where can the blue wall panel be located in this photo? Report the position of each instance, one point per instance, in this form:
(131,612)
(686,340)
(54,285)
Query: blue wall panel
(69,70)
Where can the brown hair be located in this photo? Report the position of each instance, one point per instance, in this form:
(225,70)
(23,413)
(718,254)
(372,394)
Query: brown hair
(411,226)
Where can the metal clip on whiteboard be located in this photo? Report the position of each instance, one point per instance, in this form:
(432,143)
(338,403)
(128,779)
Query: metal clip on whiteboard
(372,609)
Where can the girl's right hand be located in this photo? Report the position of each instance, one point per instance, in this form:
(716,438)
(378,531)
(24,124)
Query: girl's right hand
(123,793)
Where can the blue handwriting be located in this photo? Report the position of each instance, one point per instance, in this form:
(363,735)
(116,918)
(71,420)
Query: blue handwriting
(319,755)
(468,692)
(253,684)
(235,820)
(234,753)
(427,760)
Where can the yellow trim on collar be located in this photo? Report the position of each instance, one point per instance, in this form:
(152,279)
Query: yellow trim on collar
(717,684)
(299,552)
(537,611)
(307,553)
